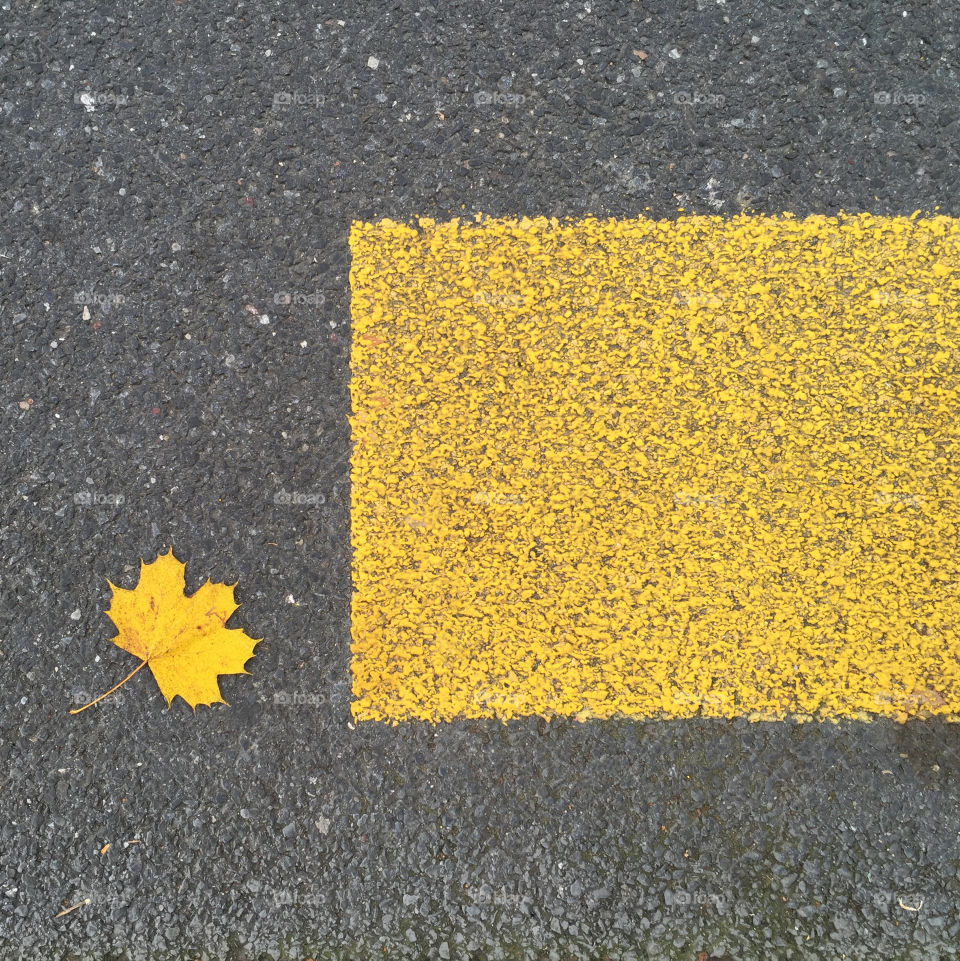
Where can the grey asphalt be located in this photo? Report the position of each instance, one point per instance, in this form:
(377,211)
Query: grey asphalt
(171,175)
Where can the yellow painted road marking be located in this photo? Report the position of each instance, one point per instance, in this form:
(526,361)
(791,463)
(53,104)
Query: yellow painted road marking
(656,468)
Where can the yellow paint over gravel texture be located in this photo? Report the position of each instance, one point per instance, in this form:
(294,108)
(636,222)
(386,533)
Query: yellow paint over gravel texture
(656,468)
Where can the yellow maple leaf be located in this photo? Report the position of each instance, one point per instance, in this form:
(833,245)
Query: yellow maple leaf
(183,638)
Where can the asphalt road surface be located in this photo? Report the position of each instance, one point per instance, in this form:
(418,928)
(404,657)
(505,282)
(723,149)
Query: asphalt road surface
(177,188)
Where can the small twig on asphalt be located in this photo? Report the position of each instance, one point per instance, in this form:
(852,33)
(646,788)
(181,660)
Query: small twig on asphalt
(73,907)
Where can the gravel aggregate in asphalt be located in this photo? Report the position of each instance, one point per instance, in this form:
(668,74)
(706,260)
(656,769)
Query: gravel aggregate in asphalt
(169,175)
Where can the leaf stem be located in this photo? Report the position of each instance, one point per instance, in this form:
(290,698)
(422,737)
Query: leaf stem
(77,710)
